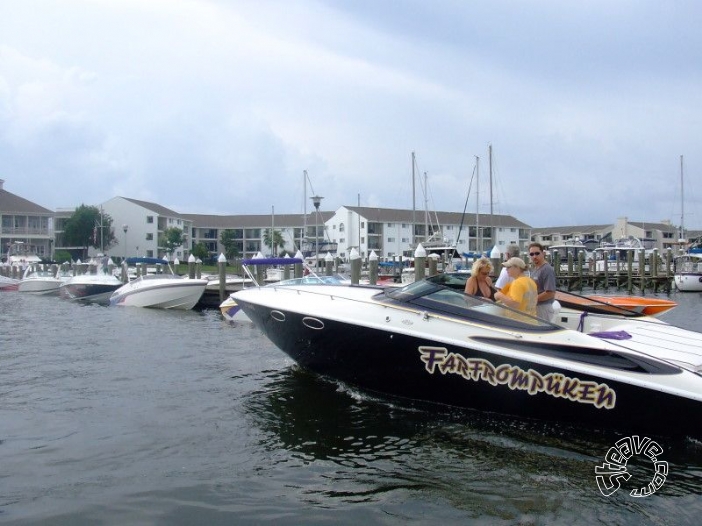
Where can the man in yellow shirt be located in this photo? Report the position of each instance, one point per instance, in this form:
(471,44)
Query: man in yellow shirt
(521,292)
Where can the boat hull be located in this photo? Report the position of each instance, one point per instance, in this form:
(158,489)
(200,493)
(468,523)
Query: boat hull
(638,304)
(89,292)
(688,282)
(382,356)
(39,286)
(181,295)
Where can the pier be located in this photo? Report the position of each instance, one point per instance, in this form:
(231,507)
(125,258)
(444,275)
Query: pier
(654,275)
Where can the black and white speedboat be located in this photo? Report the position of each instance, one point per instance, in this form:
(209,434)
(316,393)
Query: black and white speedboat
(432,343)
(90,288)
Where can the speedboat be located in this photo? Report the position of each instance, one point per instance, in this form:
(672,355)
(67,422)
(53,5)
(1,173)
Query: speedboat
(90,288)
(432,343)
(638,304)
(158,287)
(40,279)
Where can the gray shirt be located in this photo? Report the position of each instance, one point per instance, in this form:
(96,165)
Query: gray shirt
(545,278)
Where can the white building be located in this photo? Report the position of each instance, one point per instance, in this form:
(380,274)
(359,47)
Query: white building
(138,226)
(391,232)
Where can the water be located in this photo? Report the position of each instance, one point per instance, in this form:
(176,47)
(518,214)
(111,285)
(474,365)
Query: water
(133,416)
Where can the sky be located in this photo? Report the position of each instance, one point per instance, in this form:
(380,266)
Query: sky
(222,106)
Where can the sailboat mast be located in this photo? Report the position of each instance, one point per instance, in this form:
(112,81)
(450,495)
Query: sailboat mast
(414,207)
(682,204)
(426,210)
(492,223)
(304,208)
(477,205)
(272,231)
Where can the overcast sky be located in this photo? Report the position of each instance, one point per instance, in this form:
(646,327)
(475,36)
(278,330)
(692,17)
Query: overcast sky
(218,106)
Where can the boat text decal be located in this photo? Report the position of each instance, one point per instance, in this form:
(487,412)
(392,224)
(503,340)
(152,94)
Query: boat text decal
(516,378)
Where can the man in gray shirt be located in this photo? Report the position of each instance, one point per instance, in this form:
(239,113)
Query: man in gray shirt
(545,277)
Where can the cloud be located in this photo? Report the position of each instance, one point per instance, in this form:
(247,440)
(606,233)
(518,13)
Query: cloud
(219,107)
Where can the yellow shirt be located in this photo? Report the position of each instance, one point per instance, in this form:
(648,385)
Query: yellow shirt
(522,290)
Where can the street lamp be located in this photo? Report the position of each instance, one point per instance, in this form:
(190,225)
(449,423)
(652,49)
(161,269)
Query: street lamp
(316,200)
(125,228)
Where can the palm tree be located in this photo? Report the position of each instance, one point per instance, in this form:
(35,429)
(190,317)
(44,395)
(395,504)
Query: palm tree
(276,241)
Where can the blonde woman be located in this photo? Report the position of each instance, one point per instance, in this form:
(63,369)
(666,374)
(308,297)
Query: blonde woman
(479,283)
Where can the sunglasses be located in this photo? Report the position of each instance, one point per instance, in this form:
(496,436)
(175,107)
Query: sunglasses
(532,254)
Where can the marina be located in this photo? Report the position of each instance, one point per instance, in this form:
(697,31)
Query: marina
(140,416)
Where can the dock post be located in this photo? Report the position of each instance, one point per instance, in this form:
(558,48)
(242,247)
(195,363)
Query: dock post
(191,266)
(355,259)
(222,265)
(373,268)
(420,258)
(328,264)
(433,263)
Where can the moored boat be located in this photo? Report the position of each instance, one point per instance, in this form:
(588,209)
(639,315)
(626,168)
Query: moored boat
(90,288)
(161,289)
(432,343)
(42,279)
(639,304)
(688,272)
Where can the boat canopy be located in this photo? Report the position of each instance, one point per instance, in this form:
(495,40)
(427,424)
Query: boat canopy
(271,261)
(146,261)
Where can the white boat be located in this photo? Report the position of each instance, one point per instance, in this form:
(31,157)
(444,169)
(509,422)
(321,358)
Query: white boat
(159,290)
(614,257)
(435,344)
(22,255)
(42,279)
(687,275)
(569,250)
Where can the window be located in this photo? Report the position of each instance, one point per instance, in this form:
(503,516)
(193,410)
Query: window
(391,240)
(341,227)
(149,219)
(149,237)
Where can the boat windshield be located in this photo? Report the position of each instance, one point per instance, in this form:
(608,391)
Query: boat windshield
(446,301)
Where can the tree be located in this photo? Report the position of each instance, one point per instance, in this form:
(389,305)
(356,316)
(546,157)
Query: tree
(200,251)
(89,227)
(231,250)
(273,242)
(171,239)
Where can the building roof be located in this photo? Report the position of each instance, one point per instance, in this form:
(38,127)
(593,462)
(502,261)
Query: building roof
(11,203)
(592,229)
(255,221)
(392,215)
(160,210)
(572,229)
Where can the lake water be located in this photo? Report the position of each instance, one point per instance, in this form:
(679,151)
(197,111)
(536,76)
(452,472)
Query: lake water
(133,416)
